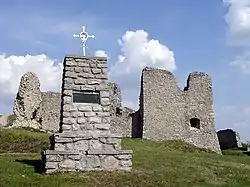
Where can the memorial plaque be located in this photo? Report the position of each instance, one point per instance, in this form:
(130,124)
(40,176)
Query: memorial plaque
(86,97)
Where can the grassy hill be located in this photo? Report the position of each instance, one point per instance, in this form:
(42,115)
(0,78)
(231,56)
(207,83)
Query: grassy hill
(155,164)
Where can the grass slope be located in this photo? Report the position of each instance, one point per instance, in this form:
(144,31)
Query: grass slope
(168,163)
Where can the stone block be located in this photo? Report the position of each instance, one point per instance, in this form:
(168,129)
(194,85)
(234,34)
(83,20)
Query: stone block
(94,120)
(102,65)
(104,71)
(66,114)
(69,146)
(67,164)
(78,69)
(69,121)
(86,126)
(77,114)
(95,144)
(82,164)
(86,75)
(75,157)
(80,81)
(106,109)
(67,92)
(96,70)
(67,100)
(89,114)
(87,70)
(88,87)
(92,65)
(110,163)
(68,80)
(54,158)
(82,145)
(51,165)
(82,120)
(102,126)
(94,82)
(124,157)
(83,64)
(69,108)
(104,94)
(70,74)
(66,127)
(126,163)
(75,127)
(106,120)
(101,76)
(93,161)
(97,108)
(103,114)
(85,108)
(105,101)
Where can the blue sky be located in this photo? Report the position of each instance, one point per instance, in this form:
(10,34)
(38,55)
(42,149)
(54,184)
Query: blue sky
(196,31)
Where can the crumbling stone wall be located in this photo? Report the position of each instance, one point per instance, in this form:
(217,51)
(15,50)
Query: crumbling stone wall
(36,109)
(229,139)
(27,102)
(50,111)
(48,107)
(121,117)
(168,113)
(115,98)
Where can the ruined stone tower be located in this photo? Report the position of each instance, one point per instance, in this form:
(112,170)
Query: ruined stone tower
(168,113)
(85,142)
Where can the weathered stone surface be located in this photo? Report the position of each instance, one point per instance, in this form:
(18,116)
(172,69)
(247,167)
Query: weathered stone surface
(93,161)
(85,108)
(180,114)
(110,163)
(85,126)
(27,103)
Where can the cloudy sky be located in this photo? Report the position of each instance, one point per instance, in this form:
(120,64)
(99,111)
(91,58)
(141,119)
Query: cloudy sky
(180,36)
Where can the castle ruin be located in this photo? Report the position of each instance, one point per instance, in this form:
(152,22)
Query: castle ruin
(41,110)
(168,113)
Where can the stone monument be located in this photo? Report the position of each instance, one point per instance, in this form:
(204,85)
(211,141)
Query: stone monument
(85,142)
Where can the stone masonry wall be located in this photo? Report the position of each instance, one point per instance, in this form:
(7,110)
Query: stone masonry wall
(48,107)
(166,110)
(50,111)
(86,142)
(121,117)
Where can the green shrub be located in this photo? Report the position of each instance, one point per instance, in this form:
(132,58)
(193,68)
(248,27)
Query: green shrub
(11,118)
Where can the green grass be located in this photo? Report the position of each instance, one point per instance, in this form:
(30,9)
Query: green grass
(155,164)
(22,141)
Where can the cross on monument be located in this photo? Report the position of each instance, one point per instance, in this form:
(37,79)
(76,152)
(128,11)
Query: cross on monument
(84,36)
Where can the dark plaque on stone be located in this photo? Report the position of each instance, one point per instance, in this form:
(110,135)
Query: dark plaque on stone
(86,97)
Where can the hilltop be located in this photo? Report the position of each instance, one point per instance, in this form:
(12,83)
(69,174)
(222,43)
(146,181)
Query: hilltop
(166,163)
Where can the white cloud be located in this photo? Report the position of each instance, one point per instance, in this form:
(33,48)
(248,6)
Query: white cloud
(137,52)
(101,53)
(242,62)
(13,67)
(238,21)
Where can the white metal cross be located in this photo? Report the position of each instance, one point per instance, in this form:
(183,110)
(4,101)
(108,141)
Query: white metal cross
(84,36)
